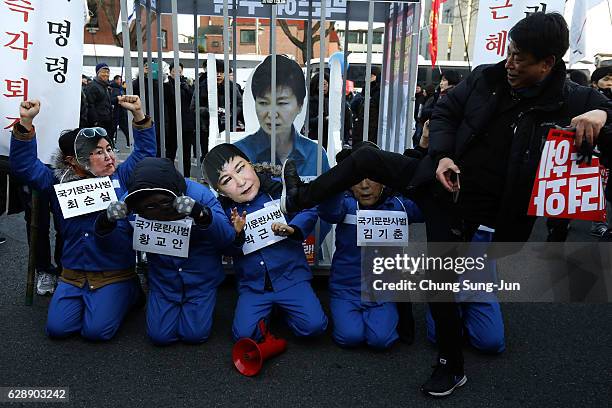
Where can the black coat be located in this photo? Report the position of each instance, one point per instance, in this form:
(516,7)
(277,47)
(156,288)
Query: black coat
(469,110)
(99,107)
(204,112)
(187,115)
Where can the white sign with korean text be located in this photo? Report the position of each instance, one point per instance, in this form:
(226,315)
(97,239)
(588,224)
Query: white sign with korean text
(496,18)
(258,228)
(42,58)
(85,196)
(382,228)
(162,237)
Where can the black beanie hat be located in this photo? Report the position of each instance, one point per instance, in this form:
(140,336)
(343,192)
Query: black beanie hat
(600,73)
(154,175)
(216,158)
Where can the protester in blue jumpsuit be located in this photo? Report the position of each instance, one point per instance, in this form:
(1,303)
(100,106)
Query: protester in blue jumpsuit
(356,321)
(277,274)
(98,284)
(182,291)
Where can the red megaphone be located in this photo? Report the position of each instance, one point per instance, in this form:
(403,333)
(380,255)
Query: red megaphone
(248,355)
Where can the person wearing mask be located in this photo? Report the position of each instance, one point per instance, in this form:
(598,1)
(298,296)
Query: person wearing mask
(98,283)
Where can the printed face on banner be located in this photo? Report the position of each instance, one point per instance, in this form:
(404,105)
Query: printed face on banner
(85,196)
(563,188)
(290,111)
(162,237)
(382,228)
(258,228)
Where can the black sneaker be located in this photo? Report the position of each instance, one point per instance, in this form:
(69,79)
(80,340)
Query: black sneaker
(291,181)
(2,240)
(443,381)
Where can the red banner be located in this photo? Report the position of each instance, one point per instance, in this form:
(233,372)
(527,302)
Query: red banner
(433,44)
(563,188)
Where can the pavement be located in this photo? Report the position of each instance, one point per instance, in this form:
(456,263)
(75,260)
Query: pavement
(557,355)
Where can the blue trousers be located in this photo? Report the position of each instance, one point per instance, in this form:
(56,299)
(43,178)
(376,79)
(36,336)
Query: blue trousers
(484,325)
(356,323)
(170,321)
(304,313)
(96,314)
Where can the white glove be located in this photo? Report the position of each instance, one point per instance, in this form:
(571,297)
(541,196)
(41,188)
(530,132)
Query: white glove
(184,204)
(116,210)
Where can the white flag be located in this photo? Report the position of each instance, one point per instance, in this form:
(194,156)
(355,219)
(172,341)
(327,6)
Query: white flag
(578,29)
(131,6)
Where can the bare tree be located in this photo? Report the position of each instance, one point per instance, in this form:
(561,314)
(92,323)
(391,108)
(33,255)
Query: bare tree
(302,44)
(110,10)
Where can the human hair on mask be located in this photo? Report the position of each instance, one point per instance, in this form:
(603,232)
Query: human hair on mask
(288,74)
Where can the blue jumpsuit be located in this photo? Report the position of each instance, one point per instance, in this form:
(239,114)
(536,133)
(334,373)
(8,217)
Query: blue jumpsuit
(483,321)
(357,322)
(183,291)
(289,275)
(94,312)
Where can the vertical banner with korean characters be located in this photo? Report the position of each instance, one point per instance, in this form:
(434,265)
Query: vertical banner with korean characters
(496,18)
(42,58)
(563,188)
(382,228)
(162,237)
(258,228)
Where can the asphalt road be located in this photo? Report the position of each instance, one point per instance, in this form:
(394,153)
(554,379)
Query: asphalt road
(557,355)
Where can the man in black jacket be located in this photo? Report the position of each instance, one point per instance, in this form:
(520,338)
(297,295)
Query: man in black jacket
(489,131)
(99,107)
(223,117)
(187,119)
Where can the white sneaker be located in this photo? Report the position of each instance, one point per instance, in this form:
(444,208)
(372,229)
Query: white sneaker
(45,284)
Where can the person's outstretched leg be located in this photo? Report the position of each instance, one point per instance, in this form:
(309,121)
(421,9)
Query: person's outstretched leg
(391,169)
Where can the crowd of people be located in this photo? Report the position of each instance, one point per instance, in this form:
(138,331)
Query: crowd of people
(497,111)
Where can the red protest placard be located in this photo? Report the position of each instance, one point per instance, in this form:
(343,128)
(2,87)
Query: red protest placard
(563,188)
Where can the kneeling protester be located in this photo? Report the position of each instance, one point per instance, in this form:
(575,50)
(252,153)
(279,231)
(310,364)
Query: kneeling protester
(271,267)
(183,228)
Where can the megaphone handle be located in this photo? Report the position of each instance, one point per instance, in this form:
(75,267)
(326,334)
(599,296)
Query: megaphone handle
(262,328)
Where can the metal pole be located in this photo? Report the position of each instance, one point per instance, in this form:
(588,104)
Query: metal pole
(344,72)
(412,74)
(366,107)
(160,87)
(308,67)
(383,79)
(197,90)
(150,60)
(400,82)
(234,66)
(273,83)
(141,80)
(391,107)
(226,83)
(127,62)
(321,95)
(32,249)
(177,88)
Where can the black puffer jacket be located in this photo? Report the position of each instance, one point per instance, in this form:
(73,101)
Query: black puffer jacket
(99,107)
(469,110)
